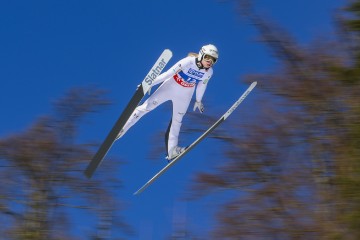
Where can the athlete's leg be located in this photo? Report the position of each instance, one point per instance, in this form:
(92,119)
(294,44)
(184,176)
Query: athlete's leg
(172,134)
(158,97)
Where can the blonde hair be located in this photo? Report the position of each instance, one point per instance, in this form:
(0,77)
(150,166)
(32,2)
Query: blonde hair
(192,54)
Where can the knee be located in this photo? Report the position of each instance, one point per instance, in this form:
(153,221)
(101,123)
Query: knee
(177,119)
(148,105)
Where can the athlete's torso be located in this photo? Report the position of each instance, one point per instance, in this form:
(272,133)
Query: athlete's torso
(188,74)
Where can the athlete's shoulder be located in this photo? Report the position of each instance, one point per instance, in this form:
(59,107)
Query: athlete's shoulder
(186,62)
(210,71)
(208,75)
(190,59)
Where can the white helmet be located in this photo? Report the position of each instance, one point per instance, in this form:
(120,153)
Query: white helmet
(210,50)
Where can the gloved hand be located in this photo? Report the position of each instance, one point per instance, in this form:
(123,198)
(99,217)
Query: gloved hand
(149,91)
(200,106)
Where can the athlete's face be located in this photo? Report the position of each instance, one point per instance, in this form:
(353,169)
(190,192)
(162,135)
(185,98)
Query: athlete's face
(208,61)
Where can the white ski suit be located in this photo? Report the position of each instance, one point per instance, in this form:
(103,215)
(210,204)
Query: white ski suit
(178,85)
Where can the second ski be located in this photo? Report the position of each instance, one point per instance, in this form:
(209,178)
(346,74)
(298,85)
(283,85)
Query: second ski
(191,146)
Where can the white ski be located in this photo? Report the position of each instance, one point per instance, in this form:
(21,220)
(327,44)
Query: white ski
(140,92)
(215,125)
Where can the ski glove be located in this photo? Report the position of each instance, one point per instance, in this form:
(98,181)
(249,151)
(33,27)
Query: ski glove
(200,106)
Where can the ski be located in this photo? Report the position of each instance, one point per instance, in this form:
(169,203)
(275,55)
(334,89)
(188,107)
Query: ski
(198,140)
(140,92)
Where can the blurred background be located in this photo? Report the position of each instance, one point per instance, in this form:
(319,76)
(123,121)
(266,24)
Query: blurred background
(285,165)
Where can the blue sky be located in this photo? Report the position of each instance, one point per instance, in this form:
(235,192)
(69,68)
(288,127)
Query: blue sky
(48,47)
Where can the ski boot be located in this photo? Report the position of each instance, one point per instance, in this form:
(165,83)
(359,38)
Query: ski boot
(174,152)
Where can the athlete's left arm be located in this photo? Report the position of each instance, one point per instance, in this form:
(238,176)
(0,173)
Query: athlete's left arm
(200,89)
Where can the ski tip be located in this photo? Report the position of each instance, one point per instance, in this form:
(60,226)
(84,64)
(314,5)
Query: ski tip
(168,52)
(252,86)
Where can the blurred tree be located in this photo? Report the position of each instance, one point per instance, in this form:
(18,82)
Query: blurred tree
(44,194)
(293,169)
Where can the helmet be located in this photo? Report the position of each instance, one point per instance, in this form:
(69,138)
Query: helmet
(210,50)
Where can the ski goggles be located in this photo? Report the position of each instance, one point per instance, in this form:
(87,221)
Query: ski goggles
(210,58)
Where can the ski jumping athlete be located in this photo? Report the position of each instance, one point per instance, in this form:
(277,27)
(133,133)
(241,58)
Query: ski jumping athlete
(178,85)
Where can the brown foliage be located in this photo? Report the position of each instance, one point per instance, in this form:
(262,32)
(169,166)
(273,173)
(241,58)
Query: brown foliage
(293,171)
(43,187)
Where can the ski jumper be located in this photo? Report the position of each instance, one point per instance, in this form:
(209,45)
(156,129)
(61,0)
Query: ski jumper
(178,85)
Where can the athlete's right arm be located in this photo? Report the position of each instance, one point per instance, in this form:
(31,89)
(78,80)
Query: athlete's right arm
(171,72)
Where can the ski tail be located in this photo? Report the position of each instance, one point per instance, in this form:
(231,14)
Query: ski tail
(109,140)
(198,140)
(125,115)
